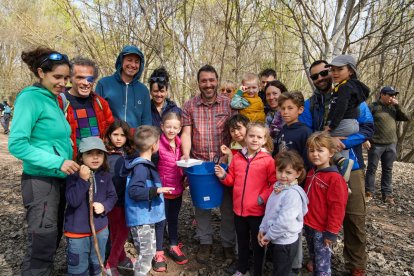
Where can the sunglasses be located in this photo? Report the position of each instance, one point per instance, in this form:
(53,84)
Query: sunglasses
(55,57)
(323,73)
(157,79)
(229,91)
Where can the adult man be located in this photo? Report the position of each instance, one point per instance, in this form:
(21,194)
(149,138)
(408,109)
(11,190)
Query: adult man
(315,114)
(128,98)
(203,120)
(265,76)
(87,113)
(382,146)
(5,120)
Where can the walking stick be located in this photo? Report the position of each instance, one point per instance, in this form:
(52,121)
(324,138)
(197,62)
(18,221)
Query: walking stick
(95,239)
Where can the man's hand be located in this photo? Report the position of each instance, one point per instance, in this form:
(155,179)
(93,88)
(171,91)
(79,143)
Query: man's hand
(393,101)
(69,167)
(338,143)
(98,208)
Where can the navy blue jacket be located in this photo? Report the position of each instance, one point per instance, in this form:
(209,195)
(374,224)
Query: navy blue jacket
(294,137)
(169,106)
(77,198)
(128,102)
(116,161)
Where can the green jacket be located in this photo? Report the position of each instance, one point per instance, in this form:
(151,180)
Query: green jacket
(40,134)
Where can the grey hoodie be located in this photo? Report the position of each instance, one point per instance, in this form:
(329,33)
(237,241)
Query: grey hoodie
(283,219)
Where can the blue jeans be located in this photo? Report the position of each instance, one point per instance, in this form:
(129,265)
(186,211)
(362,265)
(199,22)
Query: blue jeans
(387,154)
(81,256)
(318,252)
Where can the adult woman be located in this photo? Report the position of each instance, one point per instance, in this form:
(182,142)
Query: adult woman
(40,137)
(159,83)
(274,120)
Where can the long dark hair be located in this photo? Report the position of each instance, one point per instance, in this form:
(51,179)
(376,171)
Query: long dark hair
(128,147)
(38,58)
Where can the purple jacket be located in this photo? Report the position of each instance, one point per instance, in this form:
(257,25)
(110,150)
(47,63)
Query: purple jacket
(77,210)
(170,174)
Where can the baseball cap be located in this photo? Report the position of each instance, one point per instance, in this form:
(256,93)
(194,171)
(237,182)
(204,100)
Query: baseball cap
(91,143)
(343,60)
(389,90)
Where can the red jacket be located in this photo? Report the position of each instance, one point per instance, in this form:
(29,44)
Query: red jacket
(328,194)
(251,179)
(103,116)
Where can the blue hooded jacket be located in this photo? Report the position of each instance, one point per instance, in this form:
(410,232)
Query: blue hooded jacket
(129,102)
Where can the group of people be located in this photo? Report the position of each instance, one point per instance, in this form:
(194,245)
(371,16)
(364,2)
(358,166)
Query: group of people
(105,159)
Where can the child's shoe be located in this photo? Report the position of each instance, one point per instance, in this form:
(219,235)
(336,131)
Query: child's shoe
(177,255)
(159,263)
(127,264)
(111,271)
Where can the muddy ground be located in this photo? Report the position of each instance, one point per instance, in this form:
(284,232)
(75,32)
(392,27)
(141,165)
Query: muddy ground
(390,229)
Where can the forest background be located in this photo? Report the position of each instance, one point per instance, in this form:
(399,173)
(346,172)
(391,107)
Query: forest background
(234,36)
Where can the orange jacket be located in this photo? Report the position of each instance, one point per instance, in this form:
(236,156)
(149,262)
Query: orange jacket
(103,116)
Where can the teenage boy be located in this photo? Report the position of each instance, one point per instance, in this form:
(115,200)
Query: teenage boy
(144,200)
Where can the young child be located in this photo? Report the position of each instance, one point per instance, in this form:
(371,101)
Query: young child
(283,220)
(234,134)
(171,176)
(252,174)
(247,99)
(293,134)
(327,193)
(81,256)
(119,144)
(347,95)
(144,200)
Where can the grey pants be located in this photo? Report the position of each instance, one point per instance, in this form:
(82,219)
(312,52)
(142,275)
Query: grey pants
(298,259)
(44,200)
(387,155)
(204,231)
(144,241)
(345,128)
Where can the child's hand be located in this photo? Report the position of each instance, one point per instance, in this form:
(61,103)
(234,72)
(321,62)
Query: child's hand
(366,145)
(98,208)
(260,236)
(243,88)
(165,190)
(225,150)
(85,172)
(262,240)
(185,157)
(327,242)
(219,171)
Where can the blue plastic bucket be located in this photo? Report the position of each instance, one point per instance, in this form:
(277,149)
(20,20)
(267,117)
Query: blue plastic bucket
(205,188)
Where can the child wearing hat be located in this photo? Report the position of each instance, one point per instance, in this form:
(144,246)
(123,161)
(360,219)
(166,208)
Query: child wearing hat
(347,95)
(81,256)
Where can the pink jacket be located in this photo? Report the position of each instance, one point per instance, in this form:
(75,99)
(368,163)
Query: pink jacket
(171,175)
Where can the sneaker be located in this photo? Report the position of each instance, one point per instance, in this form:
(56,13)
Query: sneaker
(203,254)
(177,255)
(228,253)
(388,199)
(345,166)
(127,264)
(111,271)
(238,273)
(358,272)
(368,197)
(159,263)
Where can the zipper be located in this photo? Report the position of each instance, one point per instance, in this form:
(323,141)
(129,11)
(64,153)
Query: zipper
(245,180)
(64,121)
(43,214)
(126,101)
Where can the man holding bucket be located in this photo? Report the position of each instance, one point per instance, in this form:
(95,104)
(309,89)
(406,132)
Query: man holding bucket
(203,121)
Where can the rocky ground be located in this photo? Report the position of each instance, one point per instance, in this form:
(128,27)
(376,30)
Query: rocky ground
(390,229)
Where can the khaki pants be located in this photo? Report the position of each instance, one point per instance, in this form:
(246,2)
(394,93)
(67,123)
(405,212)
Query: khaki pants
(354,224)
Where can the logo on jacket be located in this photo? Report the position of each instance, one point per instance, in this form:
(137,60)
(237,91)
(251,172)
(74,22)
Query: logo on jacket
(139,102)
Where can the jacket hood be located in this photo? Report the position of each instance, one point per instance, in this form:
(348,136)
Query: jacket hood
(125,51)
(362,91)
(304,198)
(328,169)
(131,163)
(293,126)
(38,88)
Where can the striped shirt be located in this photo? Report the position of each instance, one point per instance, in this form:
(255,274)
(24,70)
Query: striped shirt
(207,122)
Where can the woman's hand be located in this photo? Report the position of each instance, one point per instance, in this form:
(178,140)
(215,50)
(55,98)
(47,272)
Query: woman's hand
(85,172)
(98,208)
(69,167)
(219,171)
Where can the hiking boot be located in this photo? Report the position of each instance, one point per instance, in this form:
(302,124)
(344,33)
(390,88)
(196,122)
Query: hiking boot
(238,273)
(159,263)
(177,255)
(358,272)
(127,264)
(228,253)
(368,197)
(203,254)
(345,166)
(388,199)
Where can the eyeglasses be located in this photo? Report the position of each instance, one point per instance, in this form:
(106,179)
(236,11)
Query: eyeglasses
(157,79)
(323,73)
(55,57)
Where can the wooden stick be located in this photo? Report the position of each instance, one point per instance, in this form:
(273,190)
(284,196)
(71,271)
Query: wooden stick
(95,239)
